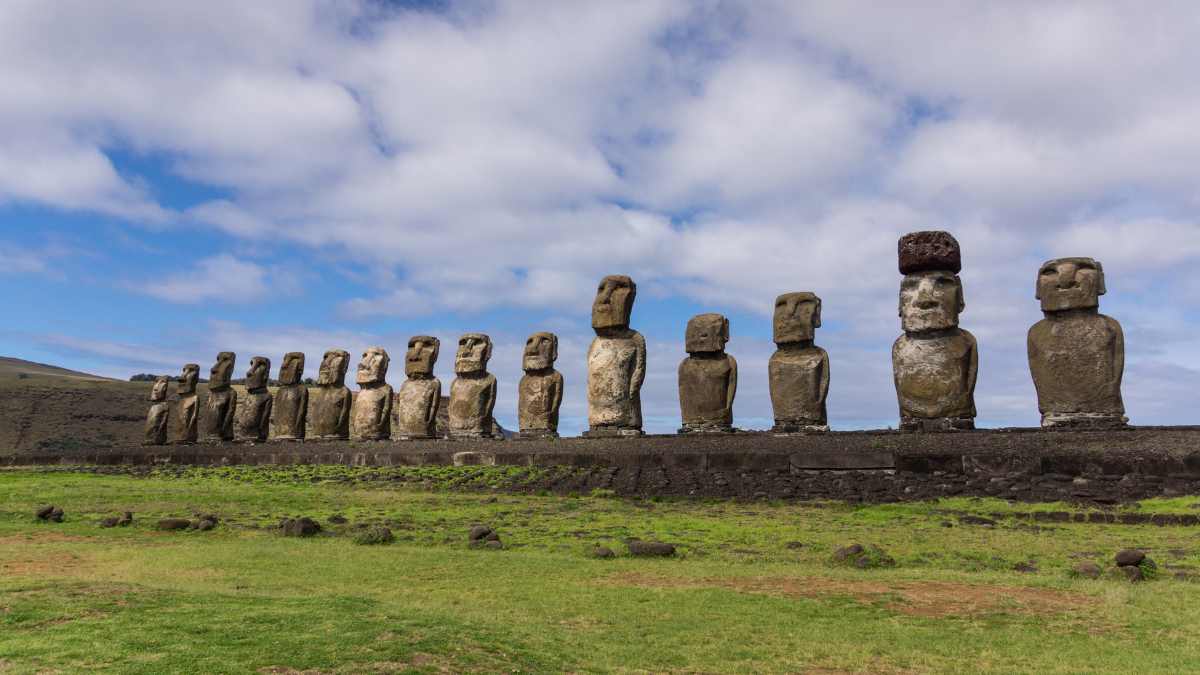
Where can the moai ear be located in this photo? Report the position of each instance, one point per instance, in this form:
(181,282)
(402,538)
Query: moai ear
(487,352)
(437,347)
(1100,290)
(724,329)
(816,319)
(962,301)
(553,347)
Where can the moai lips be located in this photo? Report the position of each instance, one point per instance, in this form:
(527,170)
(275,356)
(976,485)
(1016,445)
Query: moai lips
(329,402)
(473,391)
(798,372)
(540,392)
(616,362)
(289,412)
(707,377)
(416,406)
(371,412)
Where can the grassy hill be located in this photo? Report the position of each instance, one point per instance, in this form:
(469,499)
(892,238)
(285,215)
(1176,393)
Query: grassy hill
(22,369)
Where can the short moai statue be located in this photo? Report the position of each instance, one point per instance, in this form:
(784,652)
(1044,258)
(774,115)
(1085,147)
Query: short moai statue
(935,362)
(798,372)
(473,391)
(185,414)
(540,393)
(371,412)
(616,362)
(329,401)
(254,412)
(221,402)
(290,408)
(159,413)
(415,410)
(1076,354)
(707,377)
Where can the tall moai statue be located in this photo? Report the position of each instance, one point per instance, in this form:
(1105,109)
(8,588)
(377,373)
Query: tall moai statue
(219,407)
(473,391)
(798,372)
(540,393)
(254,414)
(185,416)
(616,362)
(707,377)
(159,413)
(329,401)
(290,408)
(414,412)
(1076,354)
(371,412)
(935,362)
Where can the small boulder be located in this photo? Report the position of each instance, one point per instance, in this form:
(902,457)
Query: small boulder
(976,520)
(338,519)
(1087,570)
(603,552)
(863,557)
(174,524)
(479,533)
(654,549)
(846,553)
(299,527)
(374,535)
(204,525)
(493,544)
(1132,572)
(1027,566)
(111,521)
(126,519)
(43,512)
(1130,557)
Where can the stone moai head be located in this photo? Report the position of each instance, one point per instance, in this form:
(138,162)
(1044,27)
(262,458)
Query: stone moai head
(1070,283)
(292,369)
(614,302)
(541,350)
(474,350)
(797,317)
(188,378)
(222,371)
(422,356)
(333,368)
(158,393)
(931,295)
(373,366)
(259,373)
(706,334)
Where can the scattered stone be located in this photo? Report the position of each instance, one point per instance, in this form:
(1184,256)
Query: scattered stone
(338,519)
(478,533)
(1086,570)
(1133,573)
(126,519)
(111,521)
(976,520)
(603,552)
(1027,567)
(50,513)
(493,543)
(374,535)
(204,525)
(299,527)
(1130,557)
(174,524)
(795,544)
(863,557)
(650,548)
(946,523)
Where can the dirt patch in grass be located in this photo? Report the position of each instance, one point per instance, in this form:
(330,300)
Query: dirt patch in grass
(51,564)
(44,537)
(932,599)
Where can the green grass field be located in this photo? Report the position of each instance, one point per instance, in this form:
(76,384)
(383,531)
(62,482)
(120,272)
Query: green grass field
(752,589)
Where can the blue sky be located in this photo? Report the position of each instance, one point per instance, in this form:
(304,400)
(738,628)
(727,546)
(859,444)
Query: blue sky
(265,177)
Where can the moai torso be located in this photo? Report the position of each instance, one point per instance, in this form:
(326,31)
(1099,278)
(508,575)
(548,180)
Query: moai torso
(473,391)
(254,413)
(706,388)
(157,416)
(540,392)
(798,372)
(329,402)
(184,414)
(289,410)
(416,408)
(371,412)
(1076,354)
(616,368)
(221,402)
(935,376)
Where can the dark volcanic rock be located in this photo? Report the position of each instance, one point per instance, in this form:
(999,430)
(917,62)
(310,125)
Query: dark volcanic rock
(659,549)
(50,514)
(929,250)
(1087,570)
(374,535)
(863,557)
(204,525)
(1132,572)
(338,519)
(1027,567)
(174,524)
(1129,557)
(299,527)
(479,533)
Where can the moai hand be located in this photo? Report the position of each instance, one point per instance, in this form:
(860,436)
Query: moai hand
(541,390)
(416,407)
(473,391)
(371,414)
(798,371)
(707,377)
(616,362)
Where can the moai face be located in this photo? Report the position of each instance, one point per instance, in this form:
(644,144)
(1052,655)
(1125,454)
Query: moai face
(222,370)
(614,302)
(706,334)
(1070,283)
(372,368)
(930,301)
(797,317)
(422,356)
(474,350)
(292,368)
(188,378)
(158,392)
(259,373)
(333,368)
(541,350)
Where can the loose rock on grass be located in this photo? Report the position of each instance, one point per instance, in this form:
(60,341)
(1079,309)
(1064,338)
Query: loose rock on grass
(118,521)
(375,535)
(603,552)
(658,549)
(1087,570)
(174,524)
(50,514)
(863,557)
(299,527)
(482,535)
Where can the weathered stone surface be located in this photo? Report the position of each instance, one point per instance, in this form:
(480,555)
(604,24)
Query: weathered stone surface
(1087,570)
(1129,556)
(221,403)
(371,413)
(158,415)
(185,409)
(174,524)
(415,409)
(254,411)
(616,362)
(650,549)
(927,251)
(50,513)
(707,377)
(329,402)
(540,392)
(935,363)
(473,391)
(289,411)
(299,527)
(1076,354)
(798,372)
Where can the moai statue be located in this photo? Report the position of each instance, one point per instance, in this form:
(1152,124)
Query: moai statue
(616,362)
(541,390)
(707,377)
(473,391)
(221,403)
(329,402)
(254,414)
(156,418)
(935,362)
(1076,354)
(186,413)
(289,411)
(371,413)
(416,406)
(798,372)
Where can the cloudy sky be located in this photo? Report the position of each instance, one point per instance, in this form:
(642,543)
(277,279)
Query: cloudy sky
(182,178)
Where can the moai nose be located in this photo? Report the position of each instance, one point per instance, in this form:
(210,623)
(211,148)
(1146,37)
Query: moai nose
(1066,276)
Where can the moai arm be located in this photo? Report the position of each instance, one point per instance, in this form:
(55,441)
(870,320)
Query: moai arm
(385,412)
(731,390)
(1119,356)
(189,417)
(639,368)
(491,396)
(824,387)
(344,413)
(558,391)
(972,370)
(434,394)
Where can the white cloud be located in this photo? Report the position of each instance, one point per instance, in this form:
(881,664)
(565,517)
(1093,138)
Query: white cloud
(221,279)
